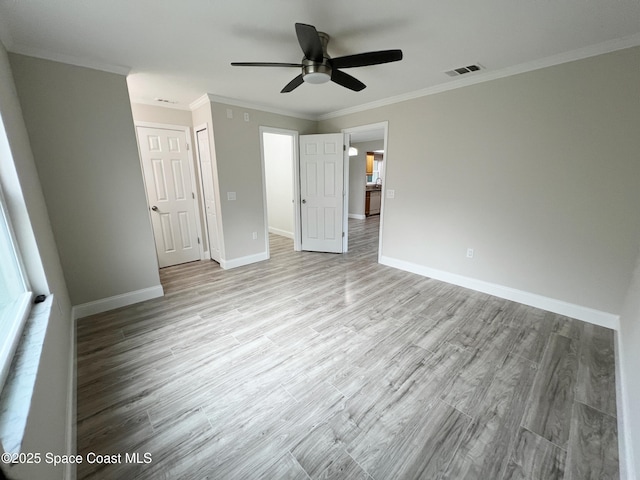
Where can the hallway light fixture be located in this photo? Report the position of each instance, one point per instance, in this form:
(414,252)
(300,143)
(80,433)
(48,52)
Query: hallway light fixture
(353,151)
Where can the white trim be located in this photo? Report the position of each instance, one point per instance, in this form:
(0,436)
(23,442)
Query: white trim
(163,126)
(242,261)
(346,142)
(117,301)
(357,216)
(70,59)
(216,192)
(486,76)
(244,104)
(69,468)
(586,314)
(625,447)
(263,169)
(199,102)
(282,233)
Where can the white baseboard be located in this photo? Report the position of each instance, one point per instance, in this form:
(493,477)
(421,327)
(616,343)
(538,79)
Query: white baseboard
(205,255)
(282,233)
(590,315)
(242,261)
(357,216)
(117,301)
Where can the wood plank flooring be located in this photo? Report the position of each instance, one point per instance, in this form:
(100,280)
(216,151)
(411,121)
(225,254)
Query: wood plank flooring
(323,366)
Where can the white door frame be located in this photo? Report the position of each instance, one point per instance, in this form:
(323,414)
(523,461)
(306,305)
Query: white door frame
(363,128)
(216,192)
(297,228)
(194,183)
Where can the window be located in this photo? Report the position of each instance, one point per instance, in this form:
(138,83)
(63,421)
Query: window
(15,297)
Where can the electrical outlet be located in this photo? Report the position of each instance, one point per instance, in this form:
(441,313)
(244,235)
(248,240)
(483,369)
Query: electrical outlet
(391,194)
(229,113)
(231,195)
(255,235)
(246,117)
(469,252)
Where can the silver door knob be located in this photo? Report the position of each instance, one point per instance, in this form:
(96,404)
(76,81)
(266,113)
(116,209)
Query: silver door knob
(154,208)
(304,201)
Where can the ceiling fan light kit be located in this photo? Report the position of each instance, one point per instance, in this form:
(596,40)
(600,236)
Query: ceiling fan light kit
(315,73)
(318,67)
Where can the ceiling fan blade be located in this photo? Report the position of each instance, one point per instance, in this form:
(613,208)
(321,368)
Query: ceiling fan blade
(309,41)
(347,81)
(264,64)
(368,58)
(293,84)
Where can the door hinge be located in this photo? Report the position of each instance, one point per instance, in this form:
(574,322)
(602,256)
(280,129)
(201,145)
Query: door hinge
(198,240)
(344,148)
(342,234)
(188,148)
(193,195)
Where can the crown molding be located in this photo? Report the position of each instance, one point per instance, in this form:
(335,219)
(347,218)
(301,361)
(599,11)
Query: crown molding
(69,59)
(486,76)
(254,106)
(203,100)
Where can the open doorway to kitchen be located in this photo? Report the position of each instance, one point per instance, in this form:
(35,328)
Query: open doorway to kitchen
(367,187)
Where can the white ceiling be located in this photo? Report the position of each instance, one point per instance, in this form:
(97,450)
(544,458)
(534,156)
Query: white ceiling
(181,49)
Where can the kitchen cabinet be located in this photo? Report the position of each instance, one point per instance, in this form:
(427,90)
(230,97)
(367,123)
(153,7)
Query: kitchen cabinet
(372,202)
(369,163)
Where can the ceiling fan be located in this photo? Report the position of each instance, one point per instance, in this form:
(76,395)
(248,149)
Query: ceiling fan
(318,67)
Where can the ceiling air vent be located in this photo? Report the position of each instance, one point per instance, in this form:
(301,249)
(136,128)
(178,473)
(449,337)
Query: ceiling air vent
(462,70)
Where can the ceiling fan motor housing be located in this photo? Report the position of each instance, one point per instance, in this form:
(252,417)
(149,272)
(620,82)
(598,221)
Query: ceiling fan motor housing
(315,72)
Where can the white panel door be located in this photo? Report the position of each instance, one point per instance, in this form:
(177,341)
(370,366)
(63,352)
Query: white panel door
(204,154)
(322,191)
(165,162)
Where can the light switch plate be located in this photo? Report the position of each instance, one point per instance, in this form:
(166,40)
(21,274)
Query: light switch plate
(229,113)
(231,195)
(391,194)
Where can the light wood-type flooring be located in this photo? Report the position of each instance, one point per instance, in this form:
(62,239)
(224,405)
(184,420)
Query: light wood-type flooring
(324,366)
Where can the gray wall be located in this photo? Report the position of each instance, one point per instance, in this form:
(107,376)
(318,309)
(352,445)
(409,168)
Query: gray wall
(46,429)
(237,153)
(83,140)
(537,172)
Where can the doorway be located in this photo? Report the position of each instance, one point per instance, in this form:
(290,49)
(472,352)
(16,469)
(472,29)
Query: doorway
(365,139)
(170,187)
(279,170)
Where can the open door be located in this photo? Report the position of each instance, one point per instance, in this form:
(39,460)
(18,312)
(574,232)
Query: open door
(208,188)
(169,182)
(322,192)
